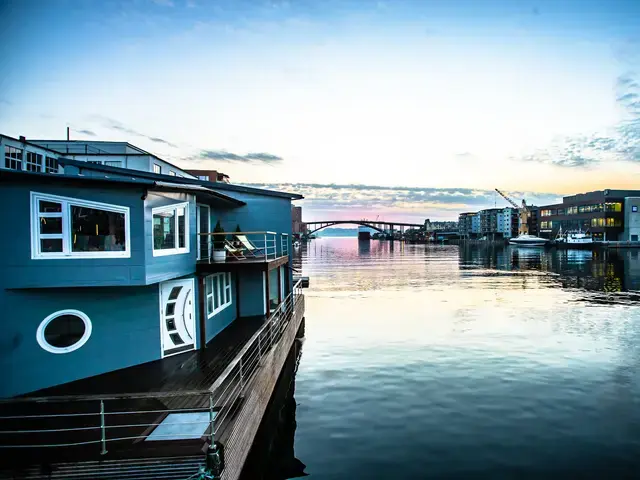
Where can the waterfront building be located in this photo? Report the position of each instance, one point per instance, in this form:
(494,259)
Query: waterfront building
(465,224)
(298,227)
(117,320)
(209,175)
(475,224)
(610,215)
(507,221)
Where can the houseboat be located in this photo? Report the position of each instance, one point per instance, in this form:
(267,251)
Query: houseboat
(128,351)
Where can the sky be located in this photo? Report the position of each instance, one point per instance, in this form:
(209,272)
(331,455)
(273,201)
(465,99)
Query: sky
(402,109)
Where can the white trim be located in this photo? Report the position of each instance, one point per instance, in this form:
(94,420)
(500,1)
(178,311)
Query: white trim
(183,281)
(198,237)
(67,203)
(223,292)
(50,348)
(176,250)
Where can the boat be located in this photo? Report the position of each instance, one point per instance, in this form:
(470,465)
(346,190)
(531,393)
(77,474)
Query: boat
(578,238)
(526,240)
(574,239)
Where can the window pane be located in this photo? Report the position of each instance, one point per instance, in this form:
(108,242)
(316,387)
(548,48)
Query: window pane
(157,168)
(51,165)
(51,245)
(94,230)
(210,304)
(34,162)
(64,331)
(50,225)
(181,228)
(50,207)
(164,230)
(216,292)
(12,158)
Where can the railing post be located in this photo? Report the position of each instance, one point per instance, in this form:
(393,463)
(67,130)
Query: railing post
(211,416)
(241,377)
(103,430)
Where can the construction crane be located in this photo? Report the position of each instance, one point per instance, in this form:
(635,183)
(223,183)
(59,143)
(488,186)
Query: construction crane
(523,211)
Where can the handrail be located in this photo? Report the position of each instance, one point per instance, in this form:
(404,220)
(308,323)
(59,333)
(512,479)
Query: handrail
(239,233)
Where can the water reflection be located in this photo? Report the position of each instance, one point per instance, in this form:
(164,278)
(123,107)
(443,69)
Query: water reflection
(457,362)
(272,456)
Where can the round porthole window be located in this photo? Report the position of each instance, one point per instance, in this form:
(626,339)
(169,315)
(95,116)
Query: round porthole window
(64,331)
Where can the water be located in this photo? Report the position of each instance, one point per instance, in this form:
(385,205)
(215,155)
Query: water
(451,362)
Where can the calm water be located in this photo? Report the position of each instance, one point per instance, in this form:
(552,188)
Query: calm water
(452,362)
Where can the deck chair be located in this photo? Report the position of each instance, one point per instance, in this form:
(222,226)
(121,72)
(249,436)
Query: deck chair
(235,253)
(249,247)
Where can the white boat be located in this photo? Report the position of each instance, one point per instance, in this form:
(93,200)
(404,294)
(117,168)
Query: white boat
(578,238)
(526,240)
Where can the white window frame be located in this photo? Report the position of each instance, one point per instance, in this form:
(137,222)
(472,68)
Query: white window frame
(223,292)
(47,165)
(204,178)
(40,338)
(38,163)
(159,172)
(65,214)
(199,206)
(8,152)
(172,173)
(176,250)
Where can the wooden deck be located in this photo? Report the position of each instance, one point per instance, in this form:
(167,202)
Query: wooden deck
(144,395)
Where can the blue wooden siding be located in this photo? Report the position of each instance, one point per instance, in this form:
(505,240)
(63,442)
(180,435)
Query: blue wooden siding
(126,332)
(252,296)
(20,271)
(167,267)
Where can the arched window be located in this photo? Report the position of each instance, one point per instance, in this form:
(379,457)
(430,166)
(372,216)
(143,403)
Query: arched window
(64,331)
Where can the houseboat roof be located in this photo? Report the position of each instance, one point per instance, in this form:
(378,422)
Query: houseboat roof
(183,180)
(151,184)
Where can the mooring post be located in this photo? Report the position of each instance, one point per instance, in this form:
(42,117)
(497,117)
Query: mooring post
(211,416)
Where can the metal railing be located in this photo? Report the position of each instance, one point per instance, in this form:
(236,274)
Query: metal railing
(97,422)
(240,245)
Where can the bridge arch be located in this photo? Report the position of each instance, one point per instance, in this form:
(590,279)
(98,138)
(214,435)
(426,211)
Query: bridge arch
(343,222)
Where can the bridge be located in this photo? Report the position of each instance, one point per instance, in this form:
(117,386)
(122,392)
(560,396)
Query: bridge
(382,227)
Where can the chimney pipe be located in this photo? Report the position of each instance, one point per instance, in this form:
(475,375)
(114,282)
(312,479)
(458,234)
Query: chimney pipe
(67,134)
(22,138)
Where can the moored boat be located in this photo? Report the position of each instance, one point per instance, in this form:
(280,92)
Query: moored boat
(526,240)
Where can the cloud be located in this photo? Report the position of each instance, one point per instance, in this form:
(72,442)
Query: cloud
(224,156)
(341,201)
(86,132)
(120,127)
(620,143)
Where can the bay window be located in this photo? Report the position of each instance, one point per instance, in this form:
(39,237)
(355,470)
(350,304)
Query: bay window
(171,229)
(63,227)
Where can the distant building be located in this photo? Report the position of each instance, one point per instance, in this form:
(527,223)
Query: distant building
(210,175)
(507,222)
(298,226)
(465,221)
(475,224)
(608,214)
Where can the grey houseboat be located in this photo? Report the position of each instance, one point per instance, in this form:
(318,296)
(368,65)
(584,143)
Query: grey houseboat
(128,352)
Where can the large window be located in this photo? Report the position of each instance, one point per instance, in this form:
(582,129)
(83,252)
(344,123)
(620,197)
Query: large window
(157,168)
(12,158)
(203,177)
(64,227)
(34,162)
(613,207)
(218,290)
(171,229)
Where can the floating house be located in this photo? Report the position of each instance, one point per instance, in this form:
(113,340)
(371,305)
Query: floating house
(127,348)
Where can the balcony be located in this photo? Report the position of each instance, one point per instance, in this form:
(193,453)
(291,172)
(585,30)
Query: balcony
(261,250)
